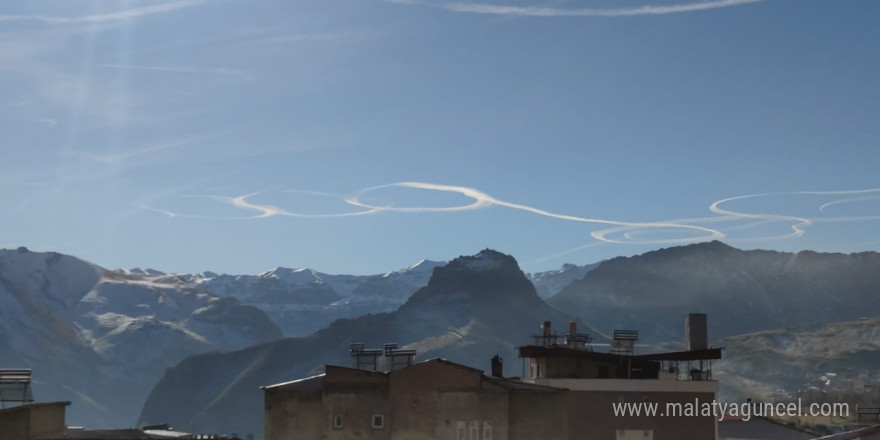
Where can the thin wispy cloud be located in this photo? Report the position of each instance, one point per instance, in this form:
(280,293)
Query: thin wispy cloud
(220,71)
(300,38)
(125,14)
(137,156)
(540,11)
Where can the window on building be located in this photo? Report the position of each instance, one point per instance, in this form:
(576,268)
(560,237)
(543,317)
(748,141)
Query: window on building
(337,421)
(487,430)
(475,430)
(378,421)
(460,430)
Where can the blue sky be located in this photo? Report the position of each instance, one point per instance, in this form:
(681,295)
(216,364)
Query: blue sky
(236,136)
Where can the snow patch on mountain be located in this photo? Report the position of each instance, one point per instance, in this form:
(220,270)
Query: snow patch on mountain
(551,282)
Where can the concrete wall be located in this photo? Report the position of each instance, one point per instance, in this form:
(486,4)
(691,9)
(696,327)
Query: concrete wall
(431,400)
(538,416)
(357,410)
(48,420)
(294,414)
(434,399)
(14,425)
(33,421)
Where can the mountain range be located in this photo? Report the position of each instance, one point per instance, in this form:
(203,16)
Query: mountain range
(742,291)
(302,301)
(101,339)
(472,308)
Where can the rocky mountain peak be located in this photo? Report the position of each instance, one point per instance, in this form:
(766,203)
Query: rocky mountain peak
(488,276)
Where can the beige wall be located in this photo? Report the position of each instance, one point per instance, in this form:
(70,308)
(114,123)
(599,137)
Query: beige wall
(48,420)
(430,399)
(14,425)
(425,401)
(294,415)
(357,410)
(33,421)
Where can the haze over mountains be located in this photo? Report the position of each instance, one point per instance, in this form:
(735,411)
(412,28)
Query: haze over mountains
(101,339)
(742,291)
(301,301)
(471,309)
(90,333)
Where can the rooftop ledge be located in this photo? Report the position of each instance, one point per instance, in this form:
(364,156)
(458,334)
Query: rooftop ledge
(623,385)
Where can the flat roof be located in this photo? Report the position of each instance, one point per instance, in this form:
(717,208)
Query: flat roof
(32,406)
(537,351)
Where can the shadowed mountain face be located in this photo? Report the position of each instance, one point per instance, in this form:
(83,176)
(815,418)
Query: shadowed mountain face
(742,291)
(471,309)
(101,339)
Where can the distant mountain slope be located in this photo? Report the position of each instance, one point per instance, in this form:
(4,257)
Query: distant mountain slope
(743,291)
(838,358)
(551,282)
(301,301)
(471,309)
(101,339)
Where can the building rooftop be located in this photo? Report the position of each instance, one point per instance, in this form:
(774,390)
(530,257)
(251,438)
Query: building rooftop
(535,351)
(852,435)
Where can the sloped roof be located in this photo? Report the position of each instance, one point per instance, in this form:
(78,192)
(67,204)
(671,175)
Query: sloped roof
(307,383)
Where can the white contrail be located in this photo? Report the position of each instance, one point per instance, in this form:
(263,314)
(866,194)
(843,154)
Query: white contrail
(621,232)
(265,211)
(161,211)
(849,200)
(483,200)
(538,11)
(107,17)
(798,228)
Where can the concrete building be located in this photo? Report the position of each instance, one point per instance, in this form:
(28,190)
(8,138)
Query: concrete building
(570,392)
(33,421)
(435,399)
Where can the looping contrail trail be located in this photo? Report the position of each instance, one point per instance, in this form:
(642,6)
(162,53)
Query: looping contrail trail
(540,11)
(621,232)
(535,11)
